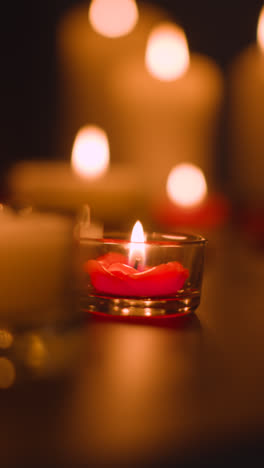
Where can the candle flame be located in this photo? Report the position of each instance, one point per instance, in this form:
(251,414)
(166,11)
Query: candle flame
(90,153)
(167,55)
(137,246)
(113,18)
(260,30)
(186,185)
(137,233)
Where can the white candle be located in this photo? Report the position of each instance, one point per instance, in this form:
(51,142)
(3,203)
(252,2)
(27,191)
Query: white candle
(166,107)
(35,270)
(88,48)
(247,120)
(113,192)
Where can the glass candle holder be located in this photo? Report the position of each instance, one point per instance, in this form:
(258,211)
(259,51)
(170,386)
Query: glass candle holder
(160,277)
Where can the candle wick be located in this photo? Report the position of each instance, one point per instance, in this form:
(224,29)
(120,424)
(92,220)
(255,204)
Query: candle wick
(138,261)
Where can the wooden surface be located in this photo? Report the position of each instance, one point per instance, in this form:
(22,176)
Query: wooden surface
(146,395)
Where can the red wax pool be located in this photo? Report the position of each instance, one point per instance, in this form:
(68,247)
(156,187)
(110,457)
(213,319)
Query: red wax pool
(111,274)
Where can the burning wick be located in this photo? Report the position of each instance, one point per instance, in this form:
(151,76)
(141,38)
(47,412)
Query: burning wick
(137,247)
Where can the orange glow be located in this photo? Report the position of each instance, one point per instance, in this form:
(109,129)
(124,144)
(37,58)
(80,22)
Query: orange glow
(6,338)
(137,246)
(7,373)
(167,55)
(36,353)
(84,228)
(260,30)
(90,153)
(186,185)
(113,18)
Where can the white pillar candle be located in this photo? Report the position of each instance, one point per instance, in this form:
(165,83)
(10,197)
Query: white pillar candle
(36,272)
(113,192)
(88,48)
(247,120)
(166,107)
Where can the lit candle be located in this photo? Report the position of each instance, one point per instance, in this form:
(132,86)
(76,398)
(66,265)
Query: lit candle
(166,106)
(89,179)
(149,276)
(188,204)
(247,117)
(130,276)
(89,45)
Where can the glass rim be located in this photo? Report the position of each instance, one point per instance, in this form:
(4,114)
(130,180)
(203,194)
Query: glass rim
(155,238)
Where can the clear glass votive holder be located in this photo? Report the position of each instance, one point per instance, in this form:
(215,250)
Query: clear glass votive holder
(160,277)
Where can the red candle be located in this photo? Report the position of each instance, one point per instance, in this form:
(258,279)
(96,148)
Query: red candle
(188,204)
(117,275)
(154,276)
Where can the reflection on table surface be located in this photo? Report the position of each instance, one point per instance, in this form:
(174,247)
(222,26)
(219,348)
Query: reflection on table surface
(143,393)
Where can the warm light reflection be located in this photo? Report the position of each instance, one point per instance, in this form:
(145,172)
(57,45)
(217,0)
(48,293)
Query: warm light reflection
(36,351)
(5,210)
(7,373)
(113,18)
(260,30)
(6,338)
(90,153)
(137,246)
(186,185)
(84,228)
(167,54)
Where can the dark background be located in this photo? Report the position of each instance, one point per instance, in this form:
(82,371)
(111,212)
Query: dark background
(28,62)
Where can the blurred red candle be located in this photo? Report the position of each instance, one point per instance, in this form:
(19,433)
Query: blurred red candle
(188,203)
(118,275)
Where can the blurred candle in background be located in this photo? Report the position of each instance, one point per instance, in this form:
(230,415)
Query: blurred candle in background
(113,192)
(166,105)
(247,121)
(40,321)
(189,205)
(90,41)
(36,270)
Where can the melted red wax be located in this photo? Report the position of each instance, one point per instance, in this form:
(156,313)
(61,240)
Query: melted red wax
(111,274)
